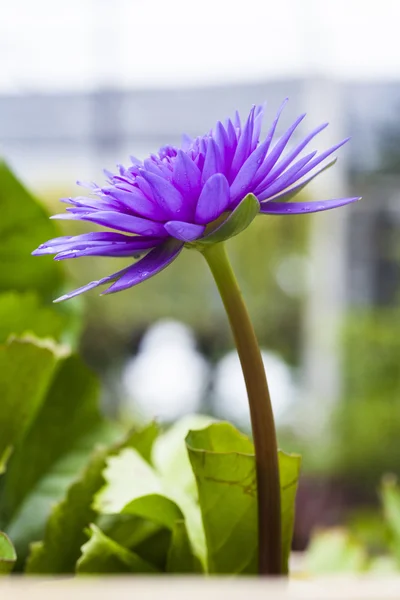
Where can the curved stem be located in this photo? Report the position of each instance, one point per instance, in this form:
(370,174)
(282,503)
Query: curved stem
(262,420)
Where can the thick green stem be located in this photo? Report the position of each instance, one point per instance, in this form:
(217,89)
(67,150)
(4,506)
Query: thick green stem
(262,419)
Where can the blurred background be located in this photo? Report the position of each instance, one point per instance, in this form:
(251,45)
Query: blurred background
(86,83)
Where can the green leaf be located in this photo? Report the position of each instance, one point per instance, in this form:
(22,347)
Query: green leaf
(181,558)
(390,494)
(7,554)
(64,535)
(102,555)
(26,370)
(119,489)
(238,220)
(169,454)
(54,448)
(223,462)
(155,530)
(24,225)
(289,471)
(142,440)
(335,551)
(144,480)
(69,411)
(127,530)
(156,508)
(22,313)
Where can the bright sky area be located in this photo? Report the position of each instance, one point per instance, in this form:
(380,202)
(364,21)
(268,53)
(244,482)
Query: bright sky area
(81,44)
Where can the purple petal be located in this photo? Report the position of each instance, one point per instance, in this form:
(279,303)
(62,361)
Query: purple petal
(276,151)
(91,185)
(231,133)
(91,285)
(113,250)
(258,117)
(156,166)
(187,177)
(154,262)
(68,216)
(187,232)
(95,236)
(83,210)
(152,167)
(166,195)
(290,193)
(94,240)
(271,132)
(144,187)
(213,200)
(187,141)
(212,162)
(289,158)
(244,146)
(322,157)
(245,177)
(226,149)
(98,203)
(136,201)
(236,120)
(125,222)
(285,180)
(296,208)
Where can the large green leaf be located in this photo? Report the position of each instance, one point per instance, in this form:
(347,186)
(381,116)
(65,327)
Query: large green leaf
(223,462)
(101,554)
(68,412)
(24,225)
(26,370)
(64,535)
(7,554)
(55,443)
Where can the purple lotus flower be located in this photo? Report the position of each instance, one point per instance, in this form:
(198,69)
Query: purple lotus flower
(204,192)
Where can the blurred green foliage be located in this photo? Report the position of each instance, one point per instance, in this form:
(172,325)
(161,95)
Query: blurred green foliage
(360,441)
(23,226)
(27,285)
(367,421)
(369,543)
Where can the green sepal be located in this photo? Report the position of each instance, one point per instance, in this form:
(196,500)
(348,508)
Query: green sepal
(233,224)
